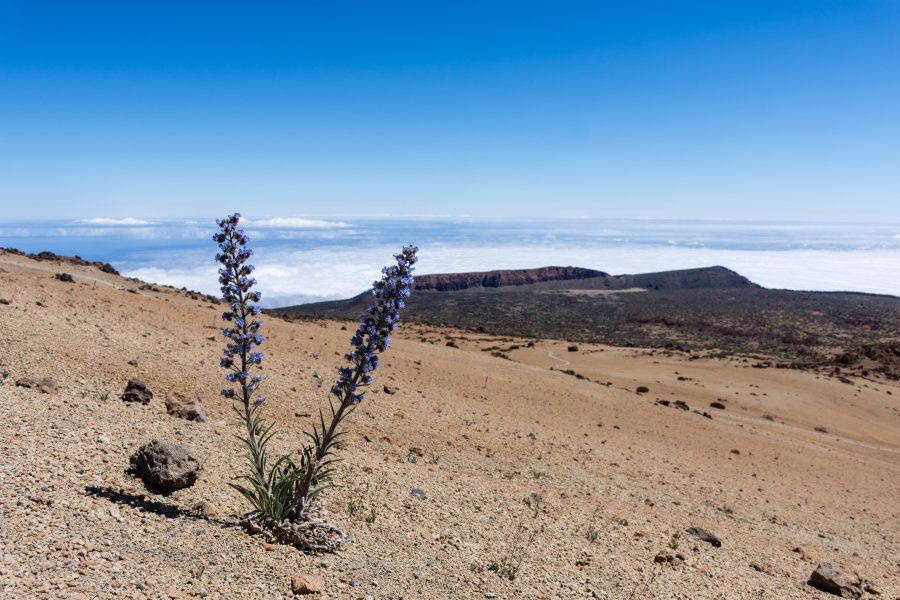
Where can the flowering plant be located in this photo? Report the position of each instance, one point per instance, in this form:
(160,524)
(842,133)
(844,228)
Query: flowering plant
(270,489)
(283,493)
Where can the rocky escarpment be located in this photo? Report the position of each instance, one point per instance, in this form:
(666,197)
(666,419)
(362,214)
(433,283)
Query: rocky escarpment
(581,278)
(493,279)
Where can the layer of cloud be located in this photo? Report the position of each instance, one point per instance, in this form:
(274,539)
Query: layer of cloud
(111,221)
(293,223)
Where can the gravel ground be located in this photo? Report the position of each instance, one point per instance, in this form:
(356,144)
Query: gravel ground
(538,484)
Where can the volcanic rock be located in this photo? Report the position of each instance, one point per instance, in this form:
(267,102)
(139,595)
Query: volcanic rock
(307,584)
(136,391)
(165,465)
(836,580)
(182,407)
(704,535)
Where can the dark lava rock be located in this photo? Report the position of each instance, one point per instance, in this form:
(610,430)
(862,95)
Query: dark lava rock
(836,580)
(704,535)
(165,466)
(182,407)
(573,348)
(682,405)
(389,389)
(64,277)
(136,391)
(418,493)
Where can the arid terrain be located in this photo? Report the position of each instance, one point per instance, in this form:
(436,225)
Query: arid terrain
(545,473)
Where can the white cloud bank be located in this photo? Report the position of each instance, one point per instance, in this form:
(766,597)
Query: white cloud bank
(110,221)
(293,223)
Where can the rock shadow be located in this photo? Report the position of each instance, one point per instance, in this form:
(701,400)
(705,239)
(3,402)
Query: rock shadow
(141,503)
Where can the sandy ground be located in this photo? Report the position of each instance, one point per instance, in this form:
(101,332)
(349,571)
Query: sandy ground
(575,483)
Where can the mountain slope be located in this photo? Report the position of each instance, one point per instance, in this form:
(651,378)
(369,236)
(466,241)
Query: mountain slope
(696,309)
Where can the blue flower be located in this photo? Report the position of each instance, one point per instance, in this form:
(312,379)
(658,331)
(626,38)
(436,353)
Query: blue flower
(236,291)
(371,337)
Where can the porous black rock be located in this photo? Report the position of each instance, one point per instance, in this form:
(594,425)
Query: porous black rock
(165,466)
(136,391)
(704,535)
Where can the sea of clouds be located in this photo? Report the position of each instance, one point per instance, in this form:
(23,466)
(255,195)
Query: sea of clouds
(302,259)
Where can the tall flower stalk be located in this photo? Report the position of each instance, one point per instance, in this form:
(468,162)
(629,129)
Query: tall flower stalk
(269,488)
(370,339)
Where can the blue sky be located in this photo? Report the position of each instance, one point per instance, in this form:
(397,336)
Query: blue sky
(720,110)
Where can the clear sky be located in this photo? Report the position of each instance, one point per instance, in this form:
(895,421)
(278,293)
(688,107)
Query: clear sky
(723,109)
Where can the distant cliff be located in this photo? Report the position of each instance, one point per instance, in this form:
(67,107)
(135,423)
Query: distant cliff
(580,278)
(493,279)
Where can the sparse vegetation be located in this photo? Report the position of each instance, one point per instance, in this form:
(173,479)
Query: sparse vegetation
(673,541)
(718,405)
(642,389)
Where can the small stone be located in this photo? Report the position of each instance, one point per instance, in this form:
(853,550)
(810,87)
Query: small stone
(42,499)
(307,584)
(704,535)
(390,389)
(48,386)
(760,568)
(418,493)
(136,391)
(664,558)
(182,407)
(836,580)
(207,509)
(165,465)
(417,451)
